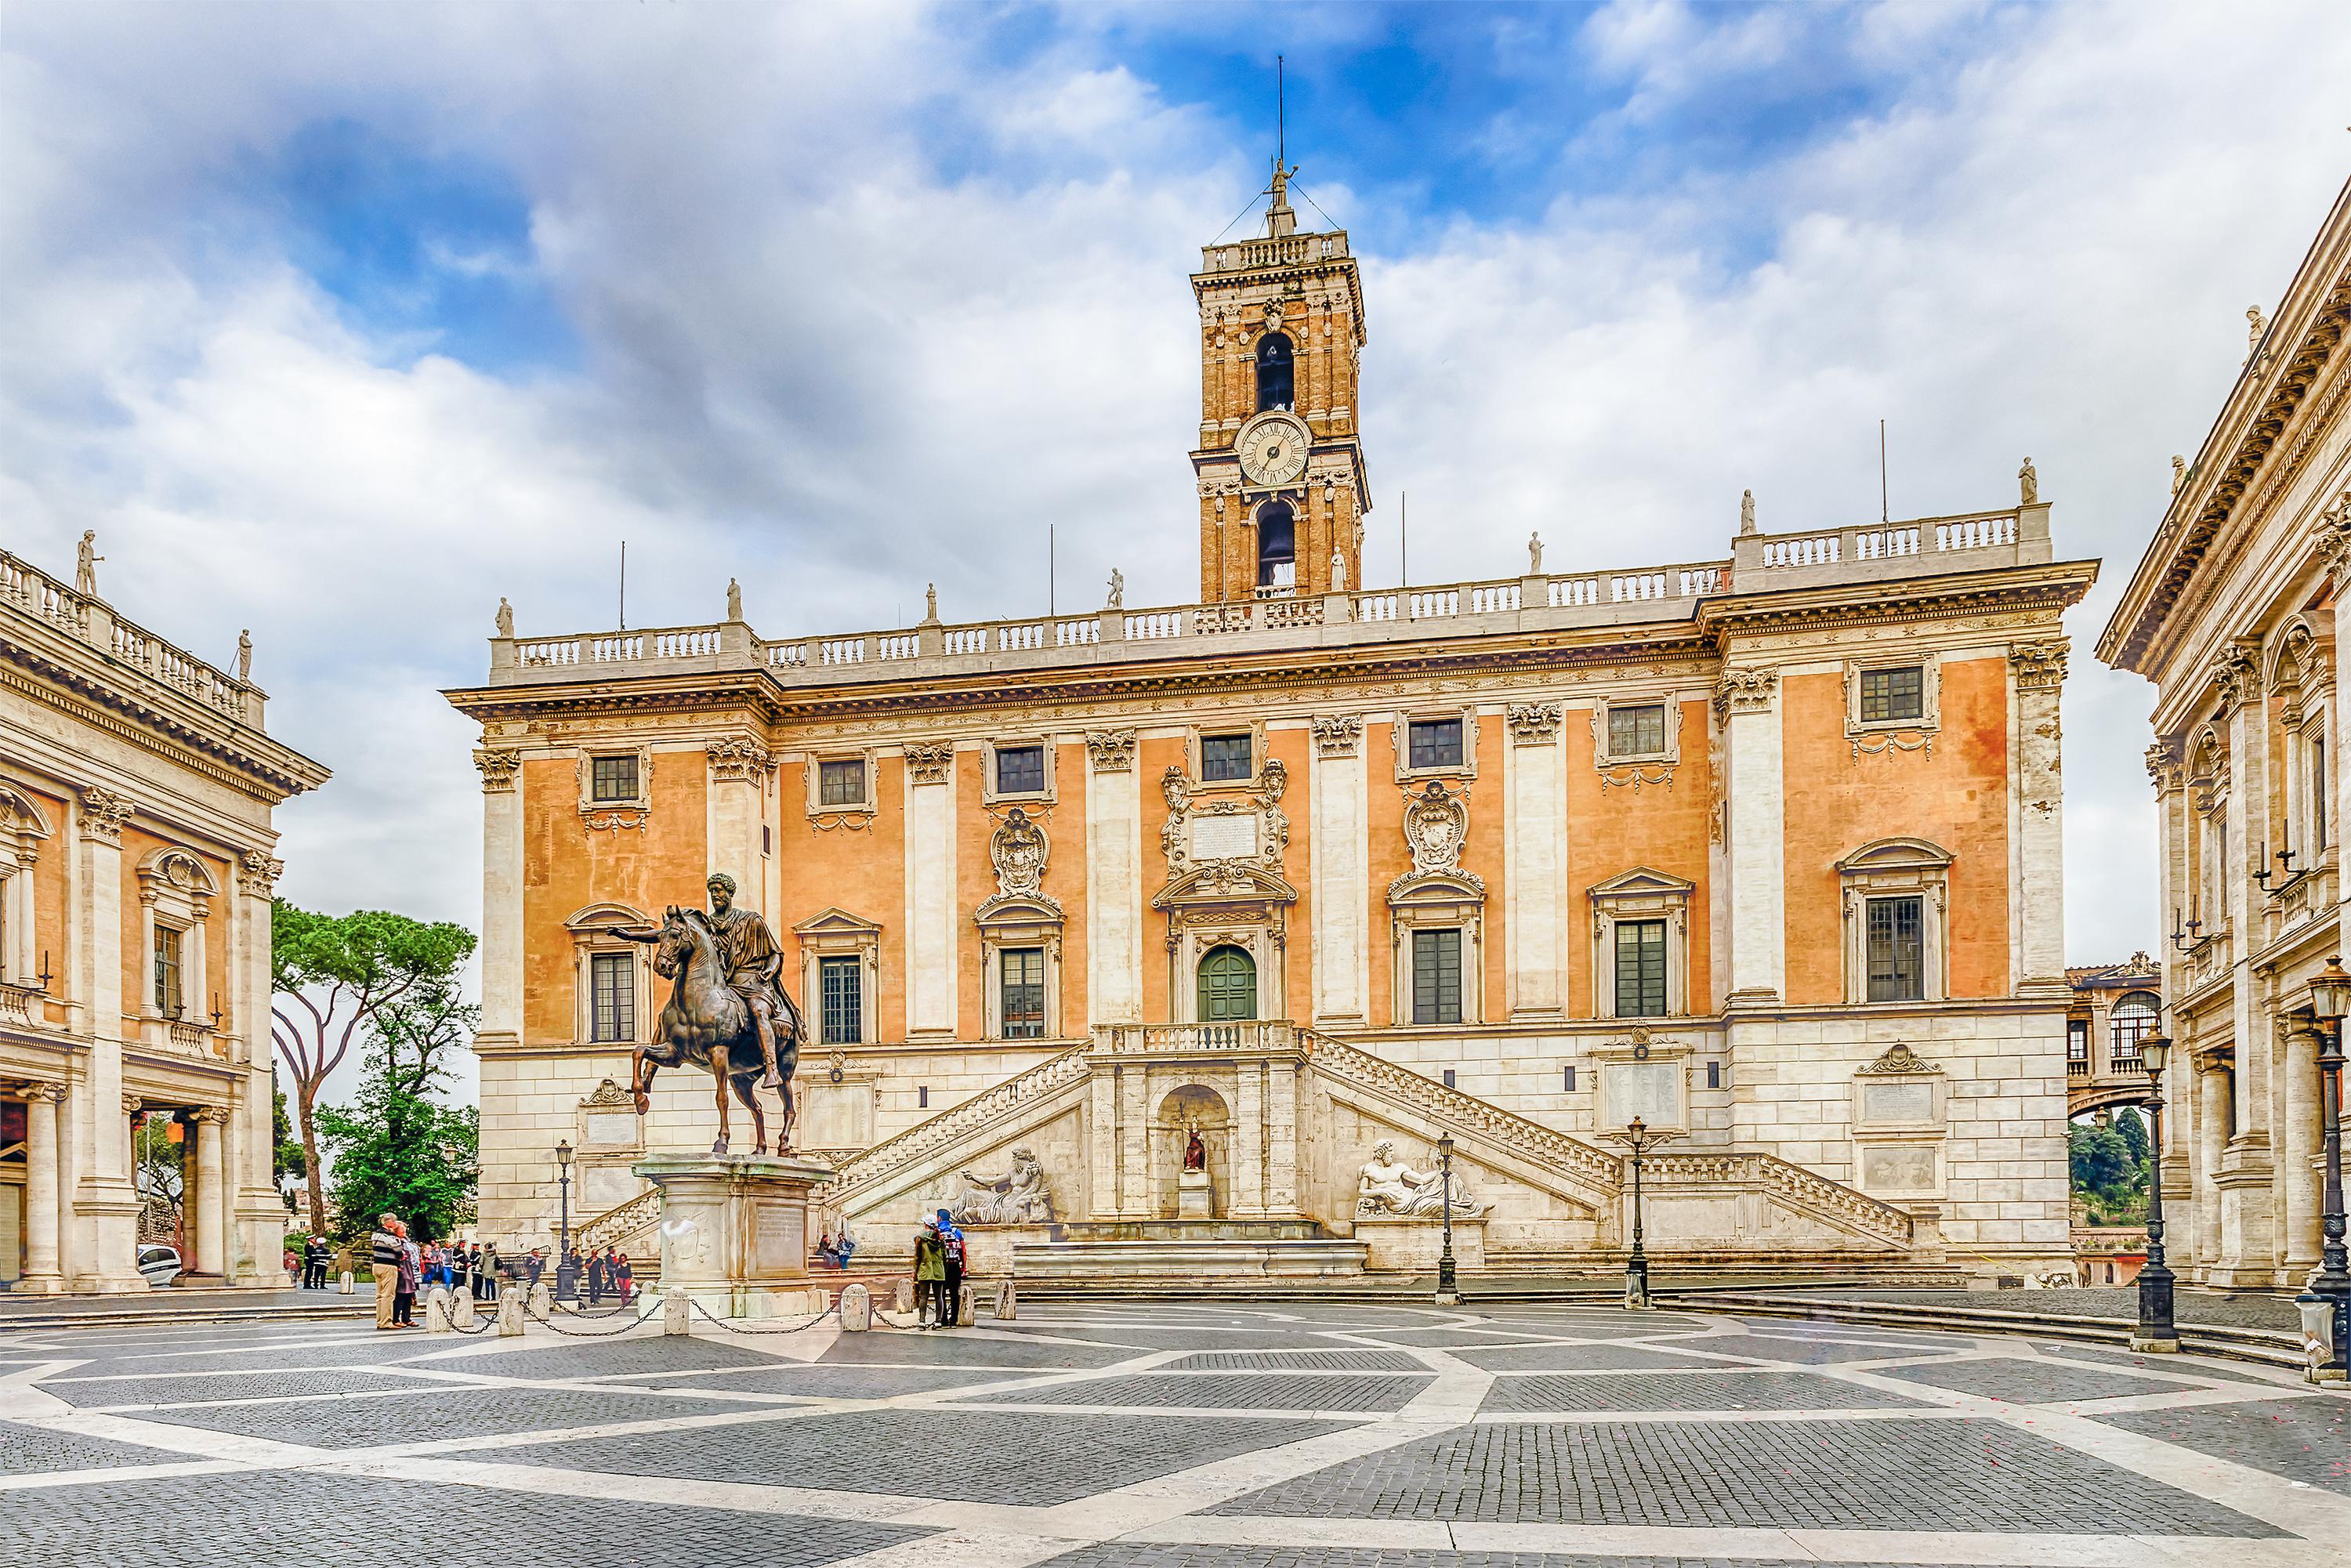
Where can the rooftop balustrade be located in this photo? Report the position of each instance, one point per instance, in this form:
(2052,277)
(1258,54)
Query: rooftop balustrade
(93,621)
(1759,563)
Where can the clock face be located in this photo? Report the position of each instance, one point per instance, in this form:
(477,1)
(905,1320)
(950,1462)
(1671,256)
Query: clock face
(1272,449)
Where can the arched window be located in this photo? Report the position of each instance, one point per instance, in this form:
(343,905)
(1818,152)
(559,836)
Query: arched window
(1275,380)
(1227,985)
(1277,546)
(2132,1020)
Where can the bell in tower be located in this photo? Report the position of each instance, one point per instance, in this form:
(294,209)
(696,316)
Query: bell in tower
(1279,464)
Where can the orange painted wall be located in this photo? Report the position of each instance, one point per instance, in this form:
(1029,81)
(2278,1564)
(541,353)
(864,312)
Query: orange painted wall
(862,871)
(566,867)
(1612,830)
(1955,796)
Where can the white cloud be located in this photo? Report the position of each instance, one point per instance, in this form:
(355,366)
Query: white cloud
(812,359)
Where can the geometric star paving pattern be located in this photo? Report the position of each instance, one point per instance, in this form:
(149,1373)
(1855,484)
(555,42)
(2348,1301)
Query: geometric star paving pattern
(1132,1435)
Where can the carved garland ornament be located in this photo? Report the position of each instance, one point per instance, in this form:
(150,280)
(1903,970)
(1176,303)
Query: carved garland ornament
(931,764)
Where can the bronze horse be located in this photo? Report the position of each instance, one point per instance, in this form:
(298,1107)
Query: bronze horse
(706,1024)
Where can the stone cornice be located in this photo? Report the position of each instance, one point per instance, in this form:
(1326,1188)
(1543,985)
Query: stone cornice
(2270,397)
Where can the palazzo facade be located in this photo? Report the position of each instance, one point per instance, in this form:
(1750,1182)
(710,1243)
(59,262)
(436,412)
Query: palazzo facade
(2234,615)
(137,860)
(1764,849)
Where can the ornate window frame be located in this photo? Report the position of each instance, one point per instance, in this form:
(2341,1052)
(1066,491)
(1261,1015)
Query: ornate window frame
(1885,1127)
(1640,893)
(1194,763)
(2301,680)
(1437,901)
(23,825)
(1019,922)
(989,795)
(1897,868)
(1400,739)
(1930,694)
(1604,757)
(176,890)
(615,813)
(591,927)
(837,933)
(858,815)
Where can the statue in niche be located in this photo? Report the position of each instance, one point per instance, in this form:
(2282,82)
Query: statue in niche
(1021,1196)
(1338,572)
(1388,1188)
(1196,1152)
(506,617)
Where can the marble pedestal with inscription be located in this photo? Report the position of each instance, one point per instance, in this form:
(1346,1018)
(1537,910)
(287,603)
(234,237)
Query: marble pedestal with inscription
(734,1232)
(1196,1196)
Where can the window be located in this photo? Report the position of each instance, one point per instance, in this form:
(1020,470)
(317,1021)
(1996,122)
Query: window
(1225,759)
(1023,971)
(2132,1020)
(1714,1075)
(1019,769)
(841,999)
(1437,977)
(1448,1077)
(167,971)
(1640,969)
(1889,695)
(1569,1086)
(1434,743)
(842,782)
(1227,985)
(612,997)
(2077,1039)
(2318,793)
(612,779)
(1898,949)
(1276,374)
(1277,546)
(1636,731)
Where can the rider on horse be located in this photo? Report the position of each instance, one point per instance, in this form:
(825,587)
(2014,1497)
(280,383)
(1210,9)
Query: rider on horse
(754,964)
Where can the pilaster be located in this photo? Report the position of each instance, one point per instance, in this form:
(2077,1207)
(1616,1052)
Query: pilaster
(1747,706)
(1534,859)
(931,923)
(2039,864)
(501,949)
(106,1206)
(1114,922)
(2298,1146)
(1338,797)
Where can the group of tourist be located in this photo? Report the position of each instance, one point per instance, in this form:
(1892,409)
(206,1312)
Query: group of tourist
(834,1251)
(938,1272)
(610,1270)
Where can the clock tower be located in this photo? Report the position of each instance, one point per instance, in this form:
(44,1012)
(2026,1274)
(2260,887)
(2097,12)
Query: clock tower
(1280,468)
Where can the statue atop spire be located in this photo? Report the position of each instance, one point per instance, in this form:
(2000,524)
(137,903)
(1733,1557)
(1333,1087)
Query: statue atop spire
(1280,219)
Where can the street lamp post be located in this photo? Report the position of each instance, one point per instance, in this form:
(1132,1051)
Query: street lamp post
(1448,1284)
(2156,1330)
(2330,999)
(567,1277)
(1639,1137)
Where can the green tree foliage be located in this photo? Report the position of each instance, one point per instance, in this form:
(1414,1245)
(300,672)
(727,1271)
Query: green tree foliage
(289,1165)
(357,965)
(2132,1128)
(397,1151)
(2110,1166)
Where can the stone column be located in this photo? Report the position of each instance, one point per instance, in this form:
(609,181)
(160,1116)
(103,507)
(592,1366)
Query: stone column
(502,964)
(213,1200)
(1342,870)
(2298,1147)
(43,1275)
(2213,1095)
(1746,704)
(106,1202)
(932,928)
(1534,862)
(258,1234)
(2038,967)
(1114,879)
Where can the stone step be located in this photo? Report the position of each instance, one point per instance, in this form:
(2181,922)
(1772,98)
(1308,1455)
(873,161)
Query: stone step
(1191,1231)
(1210,1263)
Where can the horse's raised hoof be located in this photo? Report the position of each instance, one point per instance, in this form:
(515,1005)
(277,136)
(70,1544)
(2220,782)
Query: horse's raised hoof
(645,1104)
(719,1147)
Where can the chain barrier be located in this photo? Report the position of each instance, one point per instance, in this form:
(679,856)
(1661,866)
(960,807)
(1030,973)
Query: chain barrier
(579,1311)
(581,1333)
(733,1326)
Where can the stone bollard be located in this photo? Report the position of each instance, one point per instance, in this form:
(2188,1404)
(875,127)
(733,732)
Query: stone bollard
(510,1319)
(856,1308)
(436,1310)
(967,1310)
(542,1302)
(677,1313)
(461,1310)
(902,1296)
(2318,1338)
(350,1282)
(1006,1308)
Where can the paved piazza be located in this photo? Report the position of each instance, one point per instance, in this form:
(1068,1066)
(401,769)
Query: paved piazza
(1142,1435)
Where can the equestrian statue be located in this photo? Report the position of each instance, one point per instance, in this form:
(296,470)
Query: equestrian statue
(727,1010)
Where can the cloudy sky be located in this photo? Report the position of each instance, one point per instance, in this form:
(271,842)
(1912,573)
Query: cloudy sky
(339,322)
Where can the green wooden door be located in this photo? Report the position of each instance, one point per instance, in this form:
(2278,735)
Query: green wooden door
(1227,985)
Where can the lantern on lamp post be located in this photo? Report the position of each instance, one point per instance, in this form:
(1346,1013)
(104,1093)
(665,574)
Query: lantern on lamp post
(1448,1284)
(567,1275)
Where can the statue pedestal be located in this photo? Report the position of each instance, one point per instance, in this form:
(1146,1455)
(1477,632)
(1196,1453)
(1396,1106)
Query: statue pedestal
(1196,1197)
(734,1232)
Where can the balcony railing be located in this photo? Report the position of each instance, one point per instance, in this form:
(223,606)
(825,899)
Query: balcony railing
(93,621)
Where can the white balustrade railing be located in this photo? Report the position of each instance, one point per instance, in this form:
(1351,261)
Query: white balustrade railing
(1883,544)
(1976,533)
(1569,593)
(1815,550)
(93,621)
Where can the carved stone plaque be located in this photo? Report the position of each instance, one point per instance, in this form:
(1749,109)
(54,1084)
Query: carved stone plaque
(1649,1089)
(1224,837)
(610,1130)
(1901,1102)
(1897,1167)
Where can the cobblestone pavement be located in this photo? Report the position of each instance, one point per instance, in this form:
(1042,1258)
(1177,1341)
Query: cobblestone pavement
(1105,1435)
